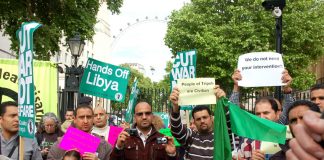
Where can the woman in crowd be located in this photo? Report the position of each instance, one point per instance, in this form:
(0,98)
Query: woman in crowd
(49,131)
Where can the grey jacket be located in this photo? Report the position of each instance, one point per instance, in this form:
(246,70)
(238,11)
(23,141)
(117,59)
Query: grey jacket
(31,149)
(104,150)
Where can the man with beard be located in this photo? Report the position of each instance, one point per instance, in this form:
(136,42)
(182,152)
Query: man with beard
(84,122)
(143,144)
(199,144)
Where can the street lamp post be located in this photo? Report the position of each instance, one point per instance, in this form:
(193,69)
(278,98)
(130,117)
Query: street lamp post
(276,6)
(73,74)
(76,46)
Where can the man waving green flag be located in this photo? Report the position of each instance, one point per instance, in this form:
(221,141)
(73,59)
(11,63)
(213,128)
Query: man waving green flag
(243,124)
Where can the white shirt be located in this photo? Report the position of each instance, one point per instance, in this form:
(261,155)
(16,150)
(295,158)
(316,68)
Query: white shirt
(142,136)
(103,132)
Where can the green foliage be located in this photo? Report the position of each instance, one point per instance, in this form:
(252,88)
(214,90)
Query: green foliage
(59,18)
(223,30)
(143,81)
(165,82)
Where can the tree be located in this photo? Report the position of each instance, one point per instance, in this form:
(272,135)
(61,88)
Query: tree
(223,30)
(59,18)
(165,82)
(143,82)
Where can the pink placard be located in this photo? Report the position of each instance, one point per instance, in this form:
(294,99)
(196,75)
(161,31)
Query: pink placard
(77,139)
(113,134)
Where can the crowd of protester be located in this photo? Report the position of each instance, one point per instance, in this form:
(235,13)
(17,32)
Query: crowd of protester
(142,139)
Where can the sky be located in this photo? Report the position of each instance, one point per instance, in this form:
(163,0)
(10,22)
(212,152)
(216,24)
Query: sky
(142,42)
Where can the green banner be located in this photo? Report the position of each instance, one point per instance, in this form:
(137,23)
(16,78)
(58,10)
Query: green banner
(164,117)
(184,66)
(132,102)
(45,81)
(104,80)
(26,98)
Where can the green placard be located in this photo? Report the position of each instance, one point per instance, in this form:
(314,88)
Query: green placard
(164,116)
(26,100)
(104,80)
(132,102)
(184,66)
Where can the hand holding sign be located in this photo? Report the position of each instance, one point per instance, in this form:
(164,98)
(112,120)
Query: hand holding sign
(286,79)
(174,97)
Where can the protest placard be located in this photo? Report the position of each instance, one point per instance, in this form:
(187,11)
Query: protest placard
(260,69)
(184,66)
(77,139)
(113,134)
(26,96)
(196,91)
(269,147)
(104,80)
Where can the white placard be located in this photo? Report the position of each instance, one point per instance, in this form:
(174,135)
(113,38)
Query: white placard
(269,147)
(259,69)
(196,91)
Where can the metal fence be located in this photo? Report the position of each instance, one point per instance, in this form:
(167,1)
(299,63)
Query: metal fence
(247,100)
(159,99)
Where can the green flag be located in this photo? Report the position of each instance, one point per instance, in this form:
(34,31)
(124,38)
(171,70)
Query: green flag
(222,146)
(251,126)
(129,114)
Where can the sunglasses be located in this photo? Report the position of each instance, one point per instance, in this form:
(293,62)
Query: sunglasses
(140,114)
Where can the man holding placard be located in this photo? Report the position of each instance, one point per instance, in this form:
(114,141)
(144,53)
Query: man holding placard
(199,144)
(265,107)
(9,136)
(83,121)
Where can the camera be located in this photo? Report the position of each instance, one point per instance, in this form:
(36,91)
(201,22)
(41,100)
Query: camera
(131,131)
(161,140)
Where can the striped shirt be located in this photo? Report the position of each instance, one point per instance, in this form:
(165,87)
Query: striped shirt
(198,146)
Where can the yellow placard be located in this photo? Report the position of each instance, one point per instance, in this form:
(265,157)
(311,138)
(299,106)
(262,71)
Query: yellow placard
(196,91)
(269,147)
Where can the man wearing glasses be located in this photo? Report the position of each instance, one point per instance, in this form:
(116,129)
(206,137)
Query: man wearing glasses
(143,144)
(84,122)
(100,123)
